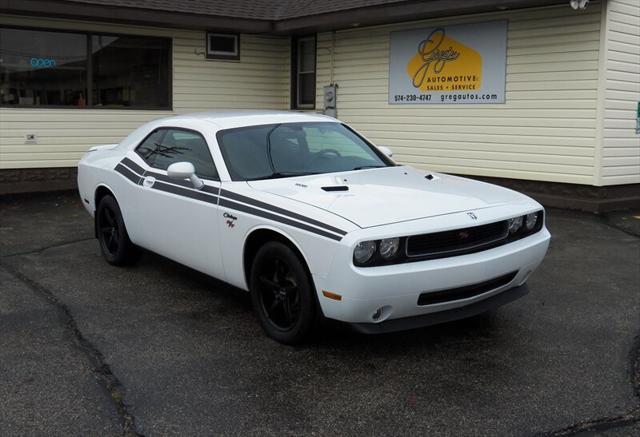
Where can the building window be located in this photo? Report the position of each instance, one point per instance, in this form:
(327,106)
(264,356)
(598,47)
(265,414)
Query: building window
(43,68)
(130,71)
(303,87)
(223,46)
(40,68)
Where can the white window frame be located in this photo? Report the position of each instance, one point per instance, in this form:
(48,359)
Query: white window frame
(299,71)
(221,54)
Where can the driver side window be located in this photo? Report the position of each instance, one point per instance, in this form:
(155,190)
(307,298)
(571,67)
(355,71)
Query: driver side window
(166,146)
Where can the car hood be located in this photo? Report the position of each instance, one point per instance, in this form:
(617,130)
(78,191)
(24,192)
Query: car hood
(381,196)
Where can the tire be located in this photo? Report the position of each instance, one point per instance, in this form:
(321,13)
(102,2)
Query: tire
(282,294)
(112,234)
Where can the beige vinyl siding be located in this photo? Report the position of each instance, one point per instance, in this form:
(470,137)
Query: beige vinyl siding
(620,161)
(259,80)
(546,130)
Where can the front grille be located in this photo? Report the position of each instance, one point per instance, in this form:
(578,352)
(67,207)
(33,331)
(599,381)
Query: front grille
(465,292)
(457,241)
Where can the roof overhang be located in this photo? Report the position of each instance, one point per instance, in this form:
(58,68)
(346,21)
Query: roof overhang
(399,12)
(137,16)
(360,17)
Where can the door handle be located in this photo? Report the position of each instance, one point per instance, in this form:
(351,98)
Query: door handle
(148,181)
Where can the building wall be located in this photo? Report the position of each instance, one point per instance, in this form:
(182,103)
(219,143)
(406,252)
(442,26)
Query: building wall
(569,114)
(620,154)
(259,80)
(546,130)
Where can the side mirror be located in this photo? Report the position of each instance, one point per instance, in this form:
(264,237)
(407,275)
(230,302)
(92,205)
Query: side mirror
(387,151)
(185,170)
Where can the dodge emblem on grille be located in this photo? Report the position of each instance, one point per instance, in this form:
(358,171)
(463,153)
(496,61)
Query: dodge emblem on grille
(472,215)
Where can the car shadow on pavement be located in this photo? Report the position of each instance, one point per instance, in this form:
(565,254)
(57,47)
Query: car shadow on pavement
(329,333)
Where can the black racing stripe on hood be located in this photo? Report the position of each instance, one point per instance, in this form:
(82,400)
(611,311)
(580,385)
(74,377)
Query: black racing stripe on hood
(264,214)
(263,205)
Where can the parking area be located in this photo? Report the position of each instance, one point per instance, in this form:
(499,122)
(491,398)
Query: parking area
(158,349)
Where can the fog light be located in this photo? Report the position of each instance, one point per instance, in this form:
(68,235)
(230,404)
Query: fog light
(389,248)
(382,314)
(364,251)
(515,224)
(531,220)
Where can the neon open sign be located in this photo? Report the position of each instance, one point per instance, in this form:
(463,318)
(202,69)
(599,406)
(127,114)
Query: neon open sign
(42,62)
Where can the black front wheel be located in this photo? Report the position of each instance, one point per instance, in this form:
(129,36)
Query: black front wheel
(115,245)
(282,294)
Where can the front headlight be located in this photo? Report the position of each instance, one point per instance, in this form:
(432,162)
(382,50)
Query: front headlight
(515,224)
(364,251)
(389,248)
(378,252)
(525,225)
(530,220)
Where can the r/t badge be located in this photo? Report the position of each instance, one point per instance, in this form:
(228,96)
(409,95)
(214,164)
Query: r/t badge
(231,219)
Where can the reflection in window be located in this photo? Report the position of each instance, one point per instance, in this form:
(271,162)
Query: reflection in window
(130,71)
(70,69)
(164,147)
(43,68)
(292,149)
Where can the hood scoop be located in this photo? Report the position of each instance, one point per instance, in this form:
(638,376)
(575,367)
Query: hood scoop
(336,188)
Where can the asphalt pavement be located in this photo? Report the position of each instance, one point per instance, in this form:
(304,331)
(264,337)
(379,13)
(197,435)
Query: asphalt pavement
(158,349)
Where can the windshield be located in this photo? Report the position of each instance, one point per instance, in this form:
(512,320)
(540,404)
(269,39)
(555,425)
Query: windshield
(295,149)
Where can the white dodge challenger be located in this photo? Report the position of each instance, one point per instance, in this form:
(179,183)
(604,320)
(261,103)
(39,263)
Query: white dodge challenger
(313,220)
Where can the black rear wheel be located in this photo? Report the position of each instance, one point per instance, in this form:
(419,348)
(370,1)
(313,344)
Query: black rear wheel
(115,245)
(282,293)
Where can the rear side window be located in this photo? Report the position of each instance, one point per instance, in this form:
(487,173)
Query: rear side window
(166,146)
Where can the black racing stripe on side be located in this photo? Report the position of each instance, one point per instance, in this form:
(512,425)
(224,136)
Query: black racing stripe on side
(133,166)
(210,189)
(276,218)
(250,201)
(161,177)
(124,171)
(192,194)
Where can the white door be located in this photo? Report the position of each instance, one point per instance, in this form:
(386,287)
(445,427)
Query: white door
(175,219)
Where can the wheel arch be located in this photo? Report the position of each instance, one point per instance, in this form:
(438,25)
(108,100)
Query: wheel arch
(101,191)
(257,237)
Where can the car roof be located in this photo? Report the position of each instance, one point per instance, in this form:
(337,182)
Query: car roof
(232,119)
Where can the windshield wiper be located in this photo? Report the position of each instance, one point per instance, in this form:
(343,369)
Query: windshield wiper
(282,174)
(362,167)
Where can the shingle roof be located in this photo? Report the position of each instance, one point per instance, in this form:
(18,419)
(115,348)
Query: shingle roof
(251,9)
(280,17)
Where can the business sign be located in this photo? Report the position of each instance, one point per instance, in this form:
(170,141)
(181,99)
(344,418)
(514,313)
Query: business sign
(449,64)
(42,62)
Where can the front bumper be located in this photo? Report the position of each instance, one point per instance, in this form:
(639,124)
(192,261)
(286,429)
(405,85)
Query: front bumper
(383,296)
(463,312)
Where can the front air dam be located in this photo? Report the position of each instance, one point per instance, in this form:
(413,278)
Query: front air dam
(464,312)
